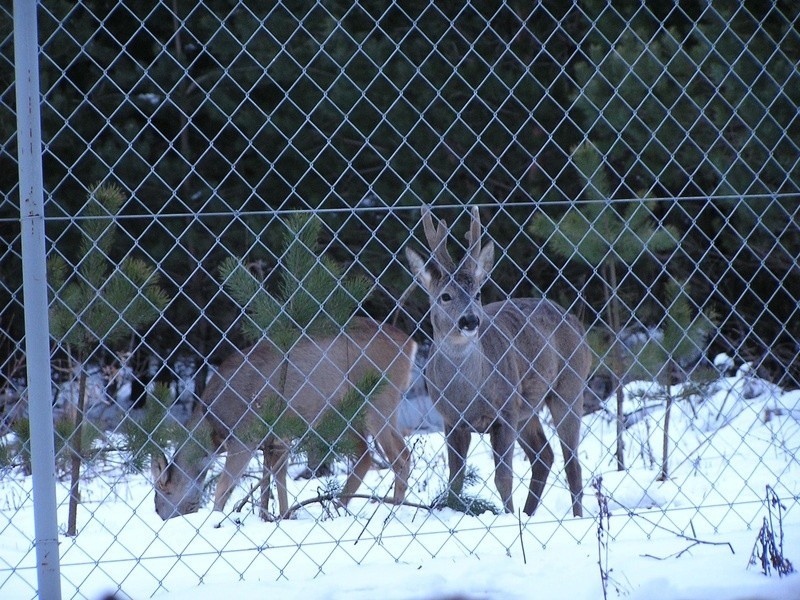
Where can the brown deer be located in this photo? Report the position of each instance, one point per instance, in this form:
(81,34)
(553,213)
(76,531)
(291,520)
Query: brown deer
(314,377)
(493,368)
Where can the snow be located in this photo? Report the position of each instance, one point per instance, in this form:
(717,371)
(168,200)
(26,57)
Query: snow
(690,537)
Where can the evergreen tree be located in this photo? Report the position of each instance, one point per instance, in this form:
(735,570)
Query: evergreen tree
(96,305)
(152,429)
(334,105)
(605,236)
(701,106)
(704,106)
(257,108)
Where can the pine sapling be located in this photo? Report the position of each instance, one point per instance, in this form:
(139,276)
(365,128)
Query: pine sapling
(96,304)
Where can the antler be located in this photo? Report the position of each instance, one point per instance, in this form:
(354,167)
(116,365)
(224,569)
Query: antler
(437,239)
(474,235)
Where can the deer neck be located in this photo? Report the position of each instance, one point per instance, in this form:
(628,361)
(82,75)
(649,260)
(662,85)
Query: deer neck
(194,457)
(464,359)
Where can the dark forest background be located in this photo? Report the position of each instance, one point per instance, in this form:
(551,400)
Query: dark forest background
(220,118)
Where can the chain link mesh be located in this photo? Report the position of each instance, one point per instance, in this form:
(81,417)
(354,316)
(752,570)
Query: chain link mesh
(636,163)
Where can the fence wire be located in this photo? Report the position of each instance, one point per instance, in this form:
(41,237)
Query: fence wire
(229,173)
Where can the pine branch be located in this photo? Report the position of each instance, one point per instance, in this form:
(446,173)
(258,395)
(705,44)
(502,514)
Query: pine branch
(101,305)
(314,297)
(589,163)
(263,312)
(334,433)
(154,429)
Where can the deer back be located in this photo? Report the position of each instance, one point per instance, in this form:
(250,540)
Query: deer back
(313,376)
(535,343)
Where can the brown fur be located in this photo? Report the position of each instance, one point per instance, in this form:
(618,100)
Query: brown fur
(317,373)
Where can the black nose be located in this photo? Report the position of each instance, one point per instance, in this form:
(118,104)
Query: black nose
(468,322)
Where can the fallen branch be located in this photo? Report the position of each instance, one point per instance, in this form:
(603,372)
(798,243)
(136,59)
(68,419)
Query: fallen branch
(321,498)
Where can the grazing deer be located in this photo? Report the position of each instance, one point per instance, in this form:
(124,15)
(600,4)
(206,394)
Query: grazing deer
(493,368)
(314,377)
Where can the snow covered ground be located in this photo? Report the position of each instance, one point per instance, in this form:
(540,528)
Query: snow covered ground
(689,537)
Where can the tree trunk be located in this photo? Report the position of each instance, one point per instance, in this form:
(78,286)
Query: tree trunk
(76,443)
(671,379)
(613,316)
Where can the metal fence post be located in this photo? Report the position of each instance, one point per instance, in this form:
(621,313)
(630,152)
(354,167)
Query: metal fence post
(29,144)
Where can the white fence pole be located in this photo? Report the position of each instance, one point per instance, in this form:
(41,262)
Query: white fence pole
(29,144)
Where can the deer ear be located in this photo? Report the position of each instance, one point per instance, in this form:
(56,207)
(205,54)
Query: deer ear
(159,469)
(422,274)
(485,262)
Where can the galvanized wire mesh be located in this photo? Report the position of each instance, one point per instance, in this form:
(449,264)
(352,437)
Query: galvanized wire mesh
(637,164)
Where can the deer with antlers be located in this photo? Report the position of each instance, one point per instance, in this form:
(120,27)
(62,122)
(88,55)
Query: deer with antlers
(493,368)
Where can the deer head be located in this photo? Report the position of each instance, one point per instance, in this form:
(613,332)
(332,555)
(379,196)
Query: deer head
(454,290)
(179,487)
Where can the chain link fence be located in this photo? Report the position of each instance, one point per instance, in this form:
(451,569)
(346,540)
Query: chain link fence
(225,172)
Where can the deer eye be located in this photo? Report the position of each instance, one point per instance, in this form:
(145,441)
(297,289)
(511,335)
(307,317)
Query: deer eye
(445,297)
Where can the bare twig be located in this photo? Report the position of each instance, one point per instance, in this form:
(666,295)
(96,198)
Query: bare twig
(767,550)
(695,542)
(521,541)
(248,497)
(604,517)
(690,538)
(363,529)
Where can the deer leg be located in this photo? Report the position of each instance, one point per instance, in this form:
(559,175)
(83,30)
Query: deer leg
(574,478)
(458,440)
(356,476)
(396,452)
(502,437)
(540,455)
(276,463)
(238,458)
(568,427)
